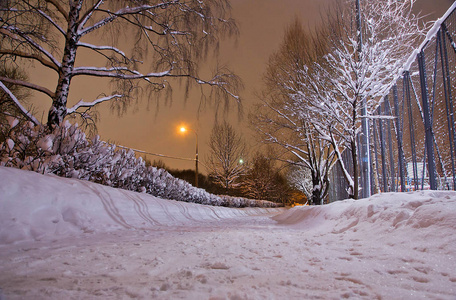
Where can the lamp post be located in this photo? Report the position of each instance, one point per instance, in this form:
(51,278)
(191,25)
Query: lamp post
(183,130)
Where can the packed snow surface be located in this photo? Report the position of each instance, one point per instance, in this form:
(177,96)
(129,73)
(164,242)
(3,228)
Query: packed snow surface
(69,239)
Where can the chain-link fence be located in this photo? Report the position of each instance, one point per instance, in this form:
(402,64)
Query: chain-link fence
(412,138)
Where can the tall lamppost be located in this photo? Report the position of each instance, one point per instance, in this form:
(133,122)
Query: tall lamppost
(184,129)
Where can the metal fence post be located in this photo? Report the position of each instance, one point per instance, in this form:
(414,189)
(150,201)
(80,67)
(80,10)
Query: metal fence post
(448,101)
(390,144)
(407,81)
(400,149)
(382,151)
(427,122)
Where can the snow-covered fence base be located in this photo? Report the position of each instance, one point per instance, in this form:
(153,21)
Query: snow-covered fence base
(67,152)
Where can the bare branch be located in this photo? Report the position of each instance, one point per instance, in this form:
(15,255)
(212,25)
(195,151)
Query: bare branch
(34,56)
(122,12)
(28,85)
(59,8)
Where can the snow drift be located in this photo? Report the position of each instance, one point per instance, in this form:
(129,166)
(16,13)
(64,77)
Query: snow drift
(67,152)
(64,238)
(35,207)
(384,212)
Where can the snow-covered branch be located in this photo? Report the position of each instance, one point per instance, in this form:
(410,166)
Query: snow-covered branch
(24,111)
(104,48)
(118,72)
(82,103)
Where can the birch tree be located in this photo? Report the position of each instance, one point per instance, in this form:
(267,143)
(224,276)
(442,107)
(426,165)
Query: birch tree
(281,121)
(335,88)
(175,35)
(227,154)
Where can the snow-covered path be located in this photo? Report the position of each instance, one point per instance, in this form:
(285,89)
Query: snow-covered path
(392,246)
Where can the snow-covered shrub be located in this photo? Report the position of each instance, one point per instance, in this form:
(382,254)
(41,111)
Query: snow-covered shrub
(67,152)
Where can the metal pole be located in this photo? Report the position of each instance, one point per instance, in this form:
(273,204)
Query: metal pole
(427,122)
(400,149)
(448,102)
(407,82)
(358,26)
(382,150)
(365,153)
(390,144)
(196,160)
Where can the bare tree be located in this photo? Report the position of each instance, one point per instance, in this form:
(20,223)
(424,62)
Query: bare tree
(350,77)
(226,161)
(276,119)
(175,34)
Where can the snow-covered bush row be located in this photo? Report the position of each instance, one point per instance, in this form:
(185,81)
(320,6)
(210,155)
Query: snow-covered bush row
(67,152)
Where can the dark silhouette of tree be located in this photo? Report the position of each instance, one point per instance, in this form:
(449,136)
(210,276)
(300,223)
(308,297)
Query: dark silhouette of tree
(263,181)
(227,152)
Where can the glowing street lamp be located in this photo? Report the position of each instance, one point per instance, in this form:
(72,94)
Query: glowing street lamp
(183,130)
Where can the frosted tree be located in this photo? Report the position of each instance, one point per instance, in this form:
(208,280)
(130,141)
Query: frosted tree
(300,179)
(280,121)
(226,158)
(335,88)
(175,35)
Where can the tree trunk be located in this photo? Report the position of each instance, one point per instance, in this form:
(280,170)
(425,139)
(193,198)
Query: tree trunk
(58,110)
(316,190)
(345,172)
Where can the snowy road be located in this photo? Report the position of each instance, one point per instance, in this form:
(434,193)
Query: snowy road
(392,246)
(242,259)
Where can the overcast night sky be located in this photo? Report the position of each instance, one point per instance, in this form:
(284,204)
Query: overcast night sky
(261,24)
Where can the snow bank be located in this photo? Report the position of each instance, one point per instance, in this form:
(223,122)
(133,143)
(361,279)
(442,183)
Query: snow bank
(382,213)
(67,152)
(36,207)
(69,239)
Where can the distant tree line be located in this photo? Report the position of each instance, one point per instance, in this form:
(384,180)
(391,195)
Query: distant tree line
(232,171)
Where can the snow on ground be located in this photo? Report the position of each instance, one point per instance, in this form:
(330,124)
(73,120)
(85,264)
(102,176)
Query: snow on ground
(68,239)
